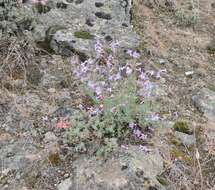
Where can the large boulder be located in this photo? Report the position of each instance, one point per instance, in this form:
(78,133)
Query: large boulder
(130,169)
(75,27)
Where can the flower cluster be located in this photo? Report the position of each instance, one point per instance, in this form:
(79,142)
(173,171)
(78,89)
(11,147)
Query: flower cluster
(114,88)
(136,132)
(133,54)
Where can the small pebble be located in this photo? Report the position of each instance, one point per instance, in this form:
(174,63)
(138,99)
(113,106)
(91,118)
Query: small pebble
(162,61)
(189,73)
(51,90)
(66,175)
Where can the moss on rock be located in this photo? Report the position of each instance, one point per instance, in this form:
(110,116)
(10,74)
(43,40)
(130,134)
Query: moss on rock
(83,35)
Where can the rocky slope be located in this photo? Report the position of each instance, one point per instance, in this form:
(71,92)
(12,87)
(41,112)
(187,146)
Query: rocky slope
(38,89)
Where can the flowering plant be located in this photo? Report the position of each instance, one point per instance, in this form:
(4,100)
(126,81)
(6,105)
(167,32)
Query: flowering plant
(117,98)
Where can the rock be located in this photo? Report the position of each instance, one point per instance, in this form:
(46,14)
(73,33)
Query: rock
(151,164)
(14,18)
(77,28)
(50,137)
(211,47)
(65,184)
(168,4)
(33,74)
(72,27)
(14,155)
(51,90)
(128,171)
(185,139)
(189,73)
(204,100)
(163,61)
(64,112)
(5,137)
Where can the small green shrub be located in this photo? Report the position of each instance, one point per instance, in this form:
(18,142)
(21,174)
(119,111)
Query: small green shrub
(182,126)
(184,18)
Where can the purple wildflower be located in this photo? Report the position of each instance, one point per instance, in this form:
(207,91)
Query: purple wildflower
(45,118)
(98,90)
(131,125)
(143,137)
(158,74)
(129,52)
(73,60)
(109,90)
(175,114)
(114,46)
(150,72)
(95,112)
(83,68)
(128,70)
(133,54)
(80,106)
(91,84)
(154,117)
(114,77)
(98,48)
(118,76)
(147,85)
(136,55)
(137,132)
(109,61)
(142,76)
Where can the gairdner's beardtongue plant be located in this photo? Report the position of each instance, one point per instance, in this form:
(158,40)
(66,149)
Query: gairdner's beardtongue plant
(115,109)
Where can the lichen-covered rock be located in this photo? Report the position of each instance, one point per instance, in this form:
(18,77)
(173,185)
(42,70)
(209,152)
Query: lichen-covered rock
(71,26)
(129,170)
(185,139)
(96,20)
(204,100)
(15,19)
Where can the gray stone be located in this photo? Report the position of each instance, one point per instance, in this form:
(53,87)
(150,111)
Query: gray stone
(163,61)
(65,184)
(186,139)
(168,4)
(33,74)
(108,20)
(128,170)
(204,100)
(57,24)
(150,163)
(50,137)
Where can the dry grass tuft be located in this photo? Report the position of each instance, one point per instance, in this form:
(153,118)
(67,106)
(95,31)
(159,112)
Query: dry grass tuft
(16,55)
